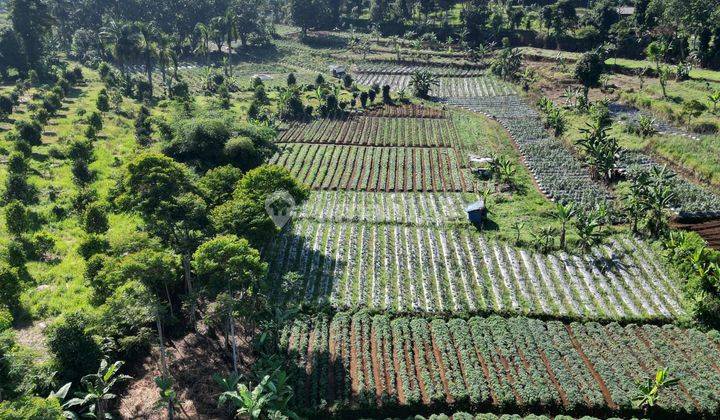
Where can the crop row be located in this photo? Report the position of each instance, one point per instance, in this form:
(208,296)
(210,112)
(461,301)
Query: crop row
(457,87)
(413,269)
(363,361)
(559,174)
(445,71)
(334,167)
(417,209)
(691,200)
(373,131)
(406,111)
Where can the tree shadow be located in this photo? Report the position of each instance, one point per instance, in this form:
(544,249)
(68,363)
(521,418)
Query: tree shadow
(300,274)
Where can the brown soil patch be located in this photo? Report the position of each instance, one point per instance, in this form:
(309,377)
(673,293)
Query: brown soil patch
(601,383)
(510,379)
(553,378)
(421,382)
(486,373)
(355,386)
(379,385)
(398,381)
(441,366)
(192,361)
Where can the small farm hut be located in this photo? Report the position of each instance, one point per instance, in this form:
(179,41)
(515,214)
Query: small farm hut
(337,70)
(477,212)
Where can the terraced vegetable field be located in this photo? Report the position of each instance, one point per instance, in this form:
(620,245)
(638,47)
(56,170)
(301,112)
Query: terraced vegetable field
(691,200)
(559,174)
(365,130)
(370,168)
(363,361)
(412,269)
(440,71)
(416,209)
(458,87)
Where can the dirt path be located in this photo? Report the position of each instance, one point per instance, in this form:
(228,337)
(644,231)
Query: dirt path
(601,383)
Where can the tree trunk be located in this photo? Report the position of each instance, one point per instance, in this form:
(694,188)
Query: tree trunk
(234,342)
(188,284)
(563,232)
(148,70)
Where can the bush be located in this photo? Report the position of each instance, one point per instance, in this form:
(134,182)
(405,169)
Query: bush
(16,255)
(10,287)
(29,131)
(199,141)
(17,218)
(32,408)
(80,149)
(95,219)
(82,173)
(6,106)
(704,127)
(93,244)
(17,188)
(42,243)
(6,318)
(125,320)
(241,152)
(69,338)
(103,101)
(291,79)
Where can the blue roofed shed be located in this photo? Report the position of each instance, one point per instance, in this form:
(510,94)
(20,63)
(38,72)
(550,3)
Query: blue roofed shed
(477,212)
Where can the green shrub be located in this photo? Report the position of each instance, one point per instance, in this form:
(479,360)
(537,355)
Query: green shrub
(32,408)
(68,338)
(6,318)
(95,219)
(29,131)
(42,243)
(704,127)
(126,319)
(10,287)
(93,244)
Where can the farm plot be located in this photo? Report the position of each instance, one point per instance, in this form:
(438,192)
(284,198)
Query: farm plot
(369,168)
(354,129)
(416,209)
(691,200)
(458,87)
(362,361)
(440,71)
(419,268)
(558,173)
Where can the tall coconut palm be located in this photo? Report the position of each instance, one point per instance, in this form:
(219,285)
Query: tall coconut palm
(231,28)
(164,58)
(148,33)
(217,31)
(203,33)
(126,44)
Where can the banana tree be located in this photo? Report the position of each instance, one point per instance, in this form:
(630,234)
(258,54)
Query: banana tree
(649,392)
(98,390)
(565,213)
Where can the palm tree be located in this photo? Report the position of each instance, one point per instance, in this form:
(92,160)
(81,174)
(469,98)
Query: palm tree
(126,44)
(565,213)
(148,33)
(231,29)
(217,31)
(202,47)
(164,57)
